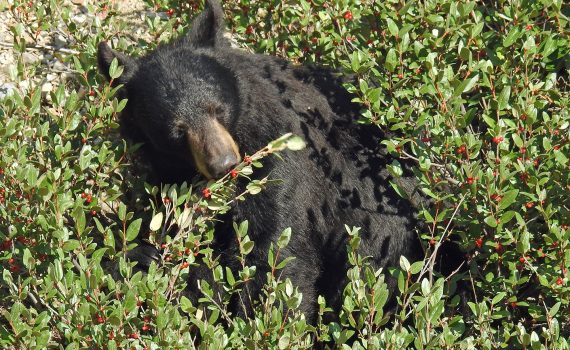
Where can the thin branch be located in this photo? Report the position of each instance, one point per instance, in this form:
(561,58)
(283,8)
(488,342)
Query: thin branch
(43,48)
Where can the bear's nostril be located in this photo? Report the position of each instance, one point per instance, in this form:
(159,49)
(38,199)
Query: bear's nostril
(223,165)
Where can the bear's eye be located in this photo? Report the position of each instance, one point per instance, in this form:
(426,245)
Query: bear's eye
(179,130)
(214,109)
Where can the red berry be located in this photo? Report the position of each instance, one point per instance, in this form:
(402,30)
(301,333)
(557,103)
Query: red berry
(91,92)
(513,304)
(184,265)
(523,150)
(497,139)
(233,173)
(145,328)
(111,335)
(100,319)
(169,12)
(247,160)
(522,259)
(470,180)
(529,205)
(206,193)
(432,242)
(460,149)
(166,200)
(134,336)
(528,27)
(479,242)
(496,197)
(249,30)
(499,248)
(559,281)
(348,15)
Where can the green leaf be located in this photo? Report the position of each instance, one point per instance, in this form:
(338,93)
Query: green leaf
(295,143)
(523,243)
(130,301)
(391,60)
(513,35)
(79,217)
(392,26)
(284,238)
(503,100)
(508,198)
(416,267)
(133,229)
(395,168)
(114,70)
(466,85)
(507,216)
(517,140)
(497,298)
(70,245)
(404,263)
(399,190)
(156,222)
(284,341)
(186,305)
(491,221)
(254,187)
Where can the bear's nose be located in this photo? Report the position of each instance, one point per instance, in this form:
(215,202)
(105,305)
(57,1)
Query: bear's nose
(222,165)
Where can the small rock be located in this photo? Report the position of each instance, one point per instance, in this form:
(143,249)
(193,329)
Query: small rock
(59,41)
(30,58)
(46,87)
(57,65)
(6,90)
(79,19)
(51,77)
(24,85)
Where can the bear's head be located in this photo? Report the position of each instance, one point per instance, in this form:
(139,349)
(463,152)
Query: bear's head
(181,100)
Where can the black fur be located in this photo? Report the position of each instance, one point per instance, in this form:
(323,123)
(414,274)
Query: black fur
(340,178)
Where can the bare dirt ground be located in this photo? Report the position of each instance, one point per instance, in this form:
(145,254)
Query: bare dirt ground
(44,48)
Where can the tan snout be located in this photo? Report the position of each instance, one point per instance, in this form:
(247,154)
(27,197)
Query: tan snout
(213,149)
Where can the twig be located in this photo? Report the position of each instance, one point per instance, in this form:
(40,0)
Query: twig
(43,48)
(445,170)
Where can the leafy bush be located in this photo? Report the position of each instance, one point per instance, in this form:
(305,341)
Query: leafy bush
(476,93)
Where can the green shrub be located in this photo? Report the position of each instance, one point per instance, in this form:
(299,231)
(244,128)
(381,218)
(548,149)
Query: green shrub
(475,93)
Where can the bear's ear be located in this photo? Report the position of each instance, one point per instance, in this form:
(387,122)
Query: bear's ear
(208,28)
(105,57)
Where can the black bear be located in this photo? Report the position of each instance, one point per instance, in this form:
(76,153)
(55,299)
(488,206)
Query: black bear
(199,105)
